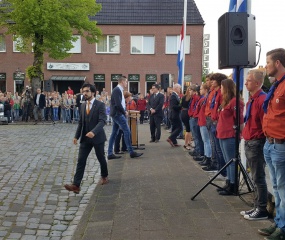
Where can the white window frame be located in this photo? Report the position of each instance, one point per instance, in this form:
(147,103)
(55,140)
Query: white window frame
(108,45)
(76,45)
(16,42)
(142,43)
(187,44)
(3,42)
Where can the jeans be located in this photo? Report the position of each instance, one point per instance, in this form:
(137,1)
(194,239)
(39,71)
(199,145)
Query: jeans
(120,122)
(16,114)
(55,113)
(120,137)
(67,114)
(255,158)
(217,148)
(76,114)
(84,150)
(195,129)
(228,149)
(206,140)
(274,155)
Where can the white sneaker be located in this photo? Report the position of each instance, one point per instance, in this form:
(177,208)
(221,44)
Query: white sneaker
(243,213)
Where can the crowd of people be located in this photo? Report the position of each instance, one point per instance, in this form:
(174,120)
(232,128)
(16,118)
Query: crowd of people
(209,114)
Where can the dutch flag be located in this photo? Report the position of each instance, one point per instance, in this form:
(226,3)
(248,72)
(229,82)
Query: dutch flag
(180,57)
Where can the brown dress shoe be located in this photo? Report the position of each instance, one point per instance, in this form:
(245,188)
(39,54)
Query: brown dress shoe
(104,180)
(72,188)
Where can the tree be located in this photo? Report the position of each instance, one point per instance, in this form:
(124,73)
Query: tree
(48,26)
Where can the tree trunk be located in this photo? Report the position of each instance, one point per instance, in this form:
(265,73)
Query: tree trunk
(38,63)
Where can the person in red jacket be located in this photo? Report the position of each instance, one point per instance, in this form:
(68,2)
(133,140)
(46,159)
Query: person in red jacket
(226,131)
(141,106)
(204,89)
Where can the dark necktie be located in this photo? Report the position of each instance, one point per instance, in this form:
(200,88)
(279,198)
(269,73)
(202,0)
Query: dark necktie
(270,93)
(247,114)
(213,100)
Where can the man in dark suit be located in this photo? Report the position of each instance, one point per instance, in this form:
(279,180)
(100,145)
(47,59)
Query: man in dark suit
(79,99)
(91,133)
(119,114)
(39,105)
(175,107)
(155,105)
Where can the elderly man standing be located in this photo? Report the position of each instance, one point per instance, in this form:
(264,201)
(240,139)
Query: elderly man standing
(39,105)
(175,108)
(274,148)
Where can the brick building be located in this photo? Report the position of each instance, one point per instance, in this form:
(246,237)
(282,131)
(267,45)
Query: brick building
(140,40)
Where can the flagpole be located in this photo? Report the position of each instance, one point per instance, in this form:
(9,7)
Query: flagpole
(184,37)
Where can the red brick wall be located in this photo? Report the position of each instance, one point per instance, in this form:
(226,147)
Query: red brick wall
(123,63)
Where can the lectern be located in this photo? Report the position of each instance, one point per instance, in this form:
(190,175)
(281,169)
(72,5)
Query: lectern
(133,124)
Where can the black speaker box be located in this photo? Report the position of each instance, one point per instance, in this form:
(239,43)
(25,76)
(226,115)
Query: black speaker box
(164,79)
(236,40)
(48,85)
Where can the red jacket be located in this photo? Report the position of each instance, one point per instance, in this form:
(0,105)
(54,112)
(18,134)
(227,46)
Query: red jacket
(141,104)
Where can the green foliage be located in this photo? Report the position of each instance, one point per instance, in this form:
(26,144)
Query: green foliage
(48,26)
(33,72)
(53,20)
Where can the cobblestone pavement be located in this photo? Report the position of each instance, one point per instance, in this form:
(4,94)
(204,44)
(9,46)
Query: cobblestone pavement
(148,198)
(35,162)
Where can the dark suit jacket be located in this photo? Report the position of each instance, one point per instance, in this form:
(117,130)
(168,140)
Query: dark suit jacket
(96,121)
(78,99)
(174,106)
(116,107)
(42,100)
(156,103)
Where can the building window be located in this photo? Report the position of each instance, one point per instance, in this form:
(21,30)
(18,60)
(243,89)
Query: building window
(142,44)
(76,45)
(17,44)
(2,43)
(108,44)
(173,44)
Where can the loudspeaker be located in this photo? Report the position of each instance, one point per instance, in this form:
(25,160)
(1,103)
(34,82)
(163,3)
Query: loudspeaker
(164,79)
(236,40)
(48,85)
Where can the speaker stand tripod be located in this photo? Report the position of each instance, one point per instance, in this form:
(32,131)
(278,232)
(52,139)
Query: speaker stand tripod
(236,159)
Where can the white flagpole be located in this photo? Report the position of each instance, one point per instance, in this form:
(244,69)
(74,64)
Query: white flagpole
(184,37)
(245,96)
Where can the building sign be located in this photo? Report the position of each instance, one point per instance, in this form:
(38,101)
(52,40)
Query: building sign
(134,77)
(187,80)
(115,77)
(151,77)
(2,76)
(68,66)
(19,76)
(99,77)
(206,56)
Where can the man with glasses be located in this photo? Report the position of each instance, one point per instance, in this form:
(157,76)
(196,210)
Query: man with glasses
(91,132)
(155,105)
(119,115)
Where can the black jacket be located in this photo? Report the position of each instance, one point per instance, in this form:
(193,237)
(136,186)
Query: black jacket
(94,122)
(42,101)
(156,103)
(116,107)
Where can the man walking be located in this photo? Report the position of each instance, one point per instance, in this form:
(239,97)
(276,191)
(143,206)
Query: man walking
(92,135)
(119,114)
(254,143)
(274,148)
(155,105)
